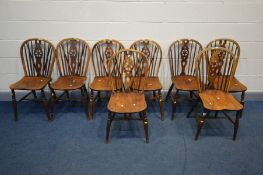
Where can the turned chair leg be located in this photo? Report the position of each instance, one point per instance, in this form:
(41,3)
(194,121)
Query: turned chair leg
(174,104)
(67,94)
(86,98)
(236,124)
(110,119)
(160,102)
(91,100)
(145,124)
(52,100)
(46,105)
(242,101)
(34,94)
(14,104)
(169,92)
(200,123)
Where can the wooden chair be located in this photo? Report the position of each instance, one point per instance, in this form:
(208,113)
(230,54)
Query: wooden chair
(181,55)
(235,86)
(72,57)
(102,51)
(128,75)
(153,51)
(37,57)
(215,68)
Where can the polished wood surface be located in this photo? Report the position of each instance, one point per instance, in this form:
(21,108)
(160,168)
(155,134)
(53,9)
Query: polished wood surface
(101,84)
(127,102)
(30,83)
(236,86)
(68,83)
(152,83)
(185,83)
(219,100)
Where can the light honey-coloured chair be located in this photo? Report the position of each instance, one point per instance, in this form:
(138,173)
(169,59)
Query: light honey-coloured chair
(128,75)
(182,54)
(72,57)
(153,51)
(215,68)
(101,52)
(37,56)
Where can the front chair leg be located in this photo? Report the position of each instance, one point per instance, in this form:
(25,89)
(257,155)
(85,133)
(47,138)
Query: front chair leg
(200,123)
(91,100)
(160,102)
(236,124)
(110,119)
(14,104)
(46,106)
(85,101)
(174,104)
(169,92)
(145,124)
(242,101)
(34,94)
(52,100)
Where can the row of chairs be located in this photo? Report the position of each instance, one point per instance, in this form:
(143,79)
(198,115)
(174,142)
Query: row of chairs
(130,72)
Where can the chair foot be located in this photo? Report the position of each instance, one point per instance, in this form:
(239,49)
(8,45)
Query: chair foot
(14,104)
(236,124)
(110,119)
(200,122)
(46,105)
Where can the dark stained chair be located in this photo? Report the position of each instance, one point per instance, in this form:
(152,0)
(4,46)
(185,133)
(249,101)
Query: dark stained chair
(128,76)
(38,58)
(235,85)
(181,55)
(215,68)
(153,51)
(101,52)
(72,57)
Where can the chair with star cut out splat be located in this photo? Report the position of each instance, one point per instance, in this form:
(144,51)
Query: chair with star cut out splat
(215,68)
(72,57)
(128,75)
(38,58)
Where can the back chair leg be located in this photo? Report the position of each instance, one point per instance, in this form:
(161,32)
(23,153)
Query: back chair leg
(200,123)
(52,100)
(110,119)
(85,101)
(169,92)
(242,101)
(46,105)
(174,104)
(67,94)
(91,100)
(160,101)
(34,94)
(14,104)
(236,124)
(145,124)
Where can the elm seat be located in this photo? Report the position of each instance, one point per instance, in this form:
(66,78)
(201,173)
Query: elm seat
(30,83)
(127,102)
(185,82)
(68,83)
(101,83)
(236,86)
(219,100)
(152,83)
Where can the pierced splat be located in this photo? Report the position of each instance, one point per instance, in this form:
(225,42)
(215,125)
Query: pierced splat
(215,66)
(184,55)
(146,50)
(38,53)
(73,53)
(127,72)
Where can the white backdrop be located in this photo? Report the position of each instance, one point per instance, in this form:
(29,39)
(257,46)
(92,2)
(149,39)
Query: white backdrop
(129,20)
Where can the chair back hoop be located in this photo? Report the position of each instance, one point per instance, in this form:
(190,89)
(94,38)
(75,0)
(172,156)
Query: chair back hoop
(153,51)
(129,70)
(37,56)
(72,56)
(227,43)
(102,51)
(182,54)
(215,68)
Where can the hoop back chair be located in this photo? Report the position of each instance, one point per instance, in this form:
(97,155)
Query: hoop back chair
(37,56)
(215,68)
(181,55)
(72,57)
(233,46)
(128,75)
(153,51)
(102,51)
